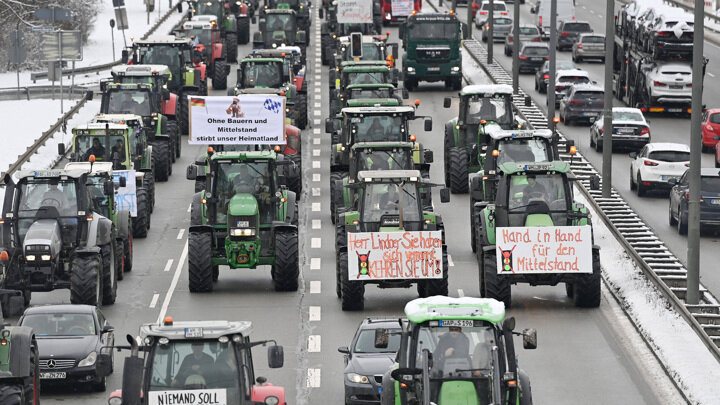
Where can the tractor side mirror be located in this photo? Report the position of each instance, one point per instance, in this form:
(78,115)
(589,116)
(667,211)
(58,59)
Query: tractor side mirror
(382,338)
(124,56)
(633,155)
(321,14)
(89,95)
(329,125)
(132,378)
(428,156)
(61,149)
(109,188)
(595,182)
(166,94)
(444,195)
(447,102)
(529,339)
(405,93)
(428,124)
(509,324)
(191,173)
(528,101)
(405,375)
(276,356)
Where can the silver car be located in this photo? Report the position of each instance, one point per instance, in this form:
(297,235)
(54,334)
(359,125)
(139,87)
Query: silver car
(528,33)
(589,46)
(501,28)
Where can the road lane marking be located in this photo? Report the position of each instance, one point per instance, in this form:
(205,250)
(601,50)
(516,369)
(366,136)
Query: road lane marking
(317,122)
(314,342)
(316,243)
(461,293)
(316,131)
(710,74)
(154,300)
(316,177)
(316,152)
(314,314)
(315,287)
(315,224)
(173,284)
(316,164)
(318,97)
(316,207)
(450,261)
(317,113)
(318,105)
(315,191)
(181,233)
(315,263)
(313,378)
(316,141)
(592,11)
(168,264)
(189,207)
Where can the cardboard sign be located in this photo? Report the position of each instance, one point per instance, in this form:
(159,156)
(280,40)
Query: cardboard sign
(394,255)
(541,250)
(401,8)
(126,197)
(188,397)
(354,11)
(248,119)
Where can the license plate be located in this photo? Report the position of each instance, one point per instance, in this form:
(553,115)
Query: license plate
(54,375)
(676,86)
(434,69)
(536,59)
(193,332)
(243,224)
(463,323)
(715,202)
(626,130)
(674,110)
(667,178)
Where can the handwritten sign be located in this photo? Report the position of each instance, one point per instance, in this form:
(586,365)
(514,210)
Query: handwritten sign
(402,8)
(188,397)
(126,197)
(541,250)
(394,255)
(355,11)
(247,119)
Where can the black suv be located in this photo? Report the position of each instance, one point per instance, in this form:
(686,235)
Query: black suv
(583,102)
(569,31)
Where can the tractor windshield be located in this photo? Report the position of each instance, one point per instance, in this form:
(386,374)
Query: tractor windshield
(129,102)
(198,365)
(491,109)
(161,55)
(60,324)
(436,30)
(135,79)
(365,78)
(537,194)
(209,8)
(384,160)
(382,199)
(370,51)
(279,22)
(86,145)
(379,128)
(252,177)
(50,198)
(263,74)
(523,150)
(203,36)
(383,92)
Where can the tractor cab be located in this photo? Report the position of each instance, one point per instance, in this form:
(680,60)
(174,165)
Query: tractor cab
(205,36)
(187,69)
(362,72)
(136,99)
(389,200)
(280,28)
(368,95)
(99,173)
(106,142)
(374,47)
(261,72)
(155,75)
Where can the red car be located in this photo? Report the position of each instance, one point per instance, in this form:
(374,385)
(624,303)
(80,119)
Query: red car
(710,129)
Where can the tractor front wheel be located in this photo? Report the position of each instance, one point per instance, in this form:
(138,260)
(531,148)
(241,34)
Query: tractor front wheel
(494,286)
(141,222)
(220,75)
(128,250)
(301,111)
(352,291)
(586,289)
(200,269)
(231,44)
(161,158)
(174,133)
(458,170)
(243,31)
(286,269)
(86,281)
(109,272)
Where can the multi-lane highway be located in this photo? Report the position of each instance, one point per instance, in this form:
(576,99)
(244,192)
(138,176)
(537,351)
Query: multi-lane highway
(584,355)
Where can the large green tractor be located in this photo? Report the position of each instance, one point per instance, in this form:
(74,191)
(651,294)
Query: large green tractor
(388,208)
(531,196)
(233,27)
(19,358)
(368,95)
(301,7)
(456,351)
(245,217)
(482,108)
(280,28)
(360,72)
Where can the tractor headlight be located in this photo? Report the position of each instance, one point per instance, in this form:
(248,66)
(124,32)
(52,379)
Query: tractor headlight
(45,258)
(455,68)
(272,400)
(357,378)
(411,69)
(89,360)
(30,258)
(242,232)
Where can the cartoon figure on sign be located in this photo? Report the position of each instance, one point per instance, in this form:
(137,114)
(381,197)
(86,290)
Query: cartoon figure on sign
(234,109)
(363,264)
(507,259)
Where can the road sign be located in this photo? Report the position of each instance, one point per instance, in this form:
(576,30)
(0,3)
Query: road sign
(61,45)
(17,53)
(42,28)
(121,18)
(53,14)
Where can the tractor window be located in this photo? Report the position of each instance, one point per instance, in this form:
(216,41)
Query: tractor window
(59,324)
(202,36)
(378,128)
(209,8)
(161,55)
(385,199)
(537,194)
(87,145)
(187,365)
(497,109)
(45,193)
(384,160)
(263,74)
(437,30)
(244,178)
(365,78)
(370,93)
(523,150)
(134,79)
(370,51)
(101,202)
(279,22)
(129,102)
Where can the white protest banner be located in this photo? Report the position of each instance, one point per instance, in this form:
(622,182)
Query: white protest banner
(546,249)
(402,8)
(247,119)
(126,197)
(394,255)
(354,11)
(188,397)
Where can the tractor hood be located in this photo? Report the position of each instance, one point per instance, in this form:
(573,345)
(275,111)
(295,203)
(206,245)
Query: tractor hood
(243,204)
(43,232)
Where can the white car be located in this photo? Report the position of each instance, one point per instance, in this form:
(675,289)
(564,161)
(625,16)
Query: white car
(656,164)
(670,83)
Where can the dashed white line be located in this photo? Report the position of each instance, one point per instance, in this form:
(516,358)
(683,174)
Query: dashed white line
(318,105)
(314,343)
(450,261)
(317,113)
(316,177)
(315,191)
(316,243)
(317,122)
(173,284)
(316,131)
(315,287)
(316,141)
(584,8)
(461,293)
(316,164)
(154,300)
(168,265)
(318,97)
(710,74)
(316,152)
(313,378)
(318,77)
(316,207)
(314,314)
(592,11)
(316,223)
(189,207)
(181,232)
(315,263)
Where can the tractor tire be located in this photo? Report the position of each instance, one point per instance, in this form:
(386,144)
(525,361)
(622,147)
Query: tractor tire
(340,241)
(586,290)
(243,31)
(141,222)
(323,50)
(196,210)
(525,388)
(220,75)
(120,259)
(448,143)
(231,45)
(494,286)
(128,251)
(200,269)
(410,84)
(353,292)
(149,185)
(184,114)
(216,273)
(12,395)
(569,289)
(161,157)
(458,170)
(435,286)
(334,176)
(301,111)
(109,273)
(86,280)
(175,135)
(286,269)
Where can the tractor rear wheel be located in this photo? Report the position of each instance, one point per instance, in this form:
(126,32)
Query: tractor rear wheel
(12,395)
(586,289)
(141,222)
(161,159)
(174,133)
(109,273)
(334,176)
(301,111)
(352,291)
(119,258)
(149,184)
(494,286)
(286,269)
(231,43)
(86,280)
(220,75)
(458,170)
(128,250)
(200,269)
(243,31)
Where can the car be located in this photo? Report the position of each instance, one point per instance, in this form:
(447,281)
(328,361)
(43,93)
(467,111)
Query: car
(528,33)
(569,31)
(532,56)
(671,32)
(542,76)
(583,102)
(709,200)
(652,168)
(566,78)
(499,8)
(501,28)
(630,129)
(710,129)
(74,342)
(365,364)
(589,46)
(670,83)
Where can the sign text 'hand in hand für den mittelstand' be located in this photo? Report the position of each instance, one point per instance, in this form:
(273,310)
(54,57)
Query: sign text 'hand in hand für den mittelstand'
(548,249)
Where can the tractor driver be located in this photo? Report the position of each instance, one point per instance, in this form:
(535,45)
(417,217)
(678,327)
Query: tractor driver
(96,149)
(54,197)
(452,344)
(196,363)
(376,132)
(534,190)
(391,200)
(244,182)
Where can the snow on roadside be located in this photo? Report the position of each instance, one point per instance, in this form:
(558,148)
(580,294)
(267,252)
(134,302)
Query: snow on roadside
(681,351)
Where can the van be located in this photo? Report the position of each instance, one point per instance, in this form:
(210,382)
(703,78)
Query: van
(565,11)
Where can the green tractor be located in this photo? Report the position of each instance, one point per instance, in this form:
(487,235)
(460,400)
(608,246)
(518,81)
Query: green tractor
(361,72)
(188,72)
(19,358)
(331,29)
(162,133)
(213,51)
(280,28)
(245,217)
(388,209)
(301,7)
(374,47)
(293,71)
(456,351)
(234,27)
(482,109)
(368,95)
(529,197)
(53,236)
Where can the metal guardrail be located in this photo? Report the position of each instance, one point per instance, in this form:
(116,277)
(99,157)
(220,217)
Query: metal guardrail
(11,93)
(107,66)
